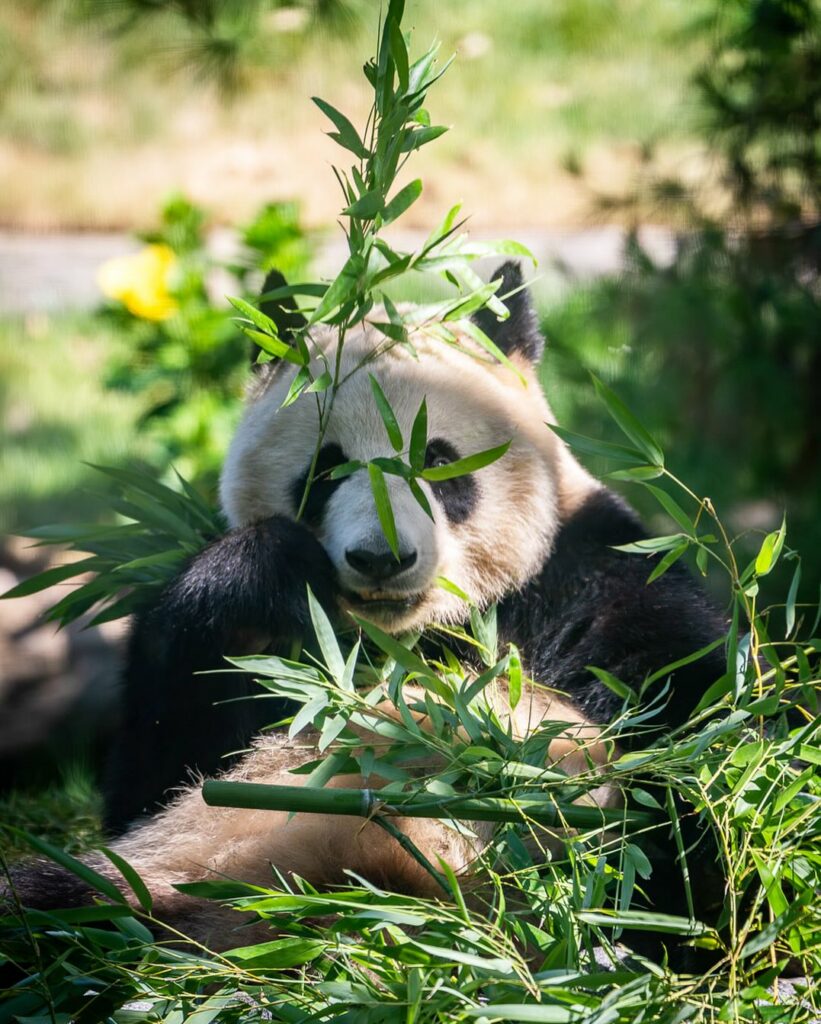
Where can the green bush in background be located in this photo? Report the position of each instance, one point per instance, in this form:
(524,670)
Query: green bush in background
(720,349)
(185,356)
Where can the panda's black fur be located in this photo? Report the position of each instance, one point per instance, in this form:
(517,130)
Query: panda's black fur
(588,605)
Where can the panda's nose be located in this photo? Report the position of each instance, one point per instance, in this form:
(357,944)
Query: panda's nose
(379,565)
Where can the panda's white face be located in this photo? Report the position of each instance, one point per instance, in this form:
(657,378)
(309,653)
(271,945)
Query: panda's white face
(490,531)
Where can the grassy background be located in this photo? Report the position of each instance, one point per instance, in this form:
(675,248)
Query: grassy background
(548,100)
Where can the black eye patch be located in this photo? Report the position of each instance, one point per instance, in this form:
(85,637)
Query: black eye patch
(458,497)
(322,488)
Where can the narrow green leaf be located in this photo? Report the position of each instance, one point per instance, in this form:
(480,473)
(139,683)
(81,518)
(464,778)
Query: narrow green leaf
(402,655)
(399,52)
(635,473)
(396,332)
(265,324)
(387,414)
(138,886)
(627,693)
(628,423)
(91,877)
(452,588)
(298,385)
(274,347)
(384,510)
(470,464)
(49,577)
(341,289)
(326,638)
(345,470)
(672,556)
(770,550)
(422,136)
(514,676)
(366,206)
(792,596)
(403,199)
(279,954)
(322,383)
(419,438)
(591,446)
(474,331)
(649,545)
(346,135)
(393,467)
(672,508)
(421,497)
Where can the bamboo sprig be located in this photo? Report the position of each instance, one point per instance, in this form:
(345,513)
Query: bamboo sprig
(365,803)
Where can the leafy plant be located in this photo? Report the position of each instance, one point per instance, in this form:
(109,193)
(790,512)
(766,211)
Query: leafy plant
(185,356)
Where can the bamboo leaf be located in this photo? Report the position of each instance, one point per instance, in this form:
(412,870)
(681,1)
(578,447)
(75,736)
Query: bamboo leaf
(298,385)
(264,323)
(278,954)
(274,347)
(366,206)
(422,136)
(627,693)
(402,655)
(770,550)
(792,596)
(138,886)
(403,199)
(388,416)
(672,556)
(49,577)
(421,497)
(341,288)
(346,135)
(384,510)
(470,464)
(326,638)
(649,545)
(672,508)
(591,446)
(628,424)
(399,52)
(82,871)
(419,438)
(514,676)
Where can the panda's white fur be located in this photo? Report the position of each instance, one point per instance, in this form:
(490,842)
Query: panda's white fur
(473,401)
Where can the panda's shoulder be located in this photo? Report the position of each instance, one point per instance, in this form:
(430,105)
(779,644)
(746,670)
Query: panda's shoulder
(592,604)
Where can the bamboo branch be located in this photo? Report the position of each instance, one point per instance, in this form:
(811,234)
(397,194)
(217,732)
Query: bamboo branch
(365,803)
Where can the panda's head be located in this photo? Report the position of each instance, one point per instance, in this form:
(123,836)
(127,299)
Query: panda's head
(490,531)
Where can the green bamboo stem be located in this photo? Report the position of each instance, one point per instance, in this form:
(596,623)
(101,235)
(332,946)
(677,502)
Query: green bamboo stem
(365,803)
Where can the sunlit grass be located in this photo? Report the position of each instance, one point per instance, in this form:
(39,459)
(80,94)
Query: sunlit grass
(99,128)
(55,414)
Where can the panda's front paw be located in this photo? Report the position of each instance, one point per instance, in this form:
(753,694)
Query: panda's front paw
(295,561)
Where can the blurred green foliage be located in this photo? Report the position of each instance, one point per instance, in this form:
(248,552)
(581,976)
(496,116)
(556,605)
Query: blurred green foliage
(720,349)
(186,359)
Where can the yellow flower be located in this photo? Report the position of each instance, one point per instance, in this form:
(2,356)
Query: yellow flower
(140,282)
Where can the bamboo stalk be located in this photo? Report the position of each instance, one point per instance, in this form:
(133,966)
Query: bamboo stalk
(364,803)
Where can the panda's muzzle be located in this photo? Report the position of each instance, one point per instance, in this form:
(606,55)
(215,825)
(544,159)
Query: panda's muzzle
(379,581)
(379,566)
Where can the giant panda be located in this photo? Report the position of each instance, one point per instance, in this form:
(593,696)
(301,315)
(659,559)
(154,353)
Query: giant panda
(533,531)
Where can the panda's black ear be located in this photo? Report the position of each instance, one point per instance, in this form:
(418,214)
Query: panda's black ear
(282,311)
(520,332)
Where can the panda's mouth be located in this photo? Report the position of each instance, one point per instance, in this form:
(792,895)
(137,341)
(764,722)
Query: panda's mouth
(383,604)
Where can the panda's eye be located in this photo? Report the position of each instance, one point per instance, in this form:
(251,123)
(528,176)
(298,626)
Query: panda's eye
(439,453)
(457,496)
(322,488)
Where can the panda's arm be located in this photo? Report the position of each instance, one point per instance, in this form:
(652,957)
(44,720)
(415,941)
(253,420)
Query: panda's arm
(243,593)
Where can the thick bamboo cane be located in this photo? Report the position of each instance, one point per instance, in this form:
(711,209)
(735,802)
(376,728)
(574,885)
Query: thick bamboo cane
(366,803)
